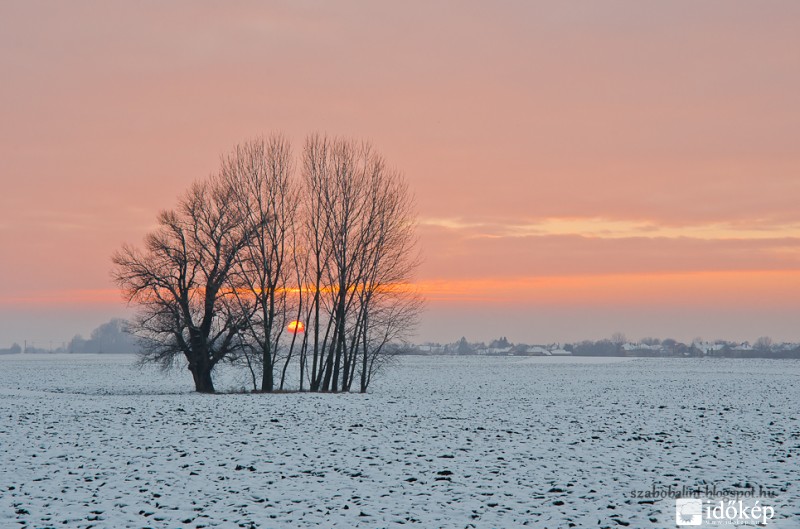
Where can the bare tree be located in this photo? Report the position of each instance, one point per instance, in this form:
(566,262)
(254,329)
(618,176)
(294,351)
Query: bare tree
(316,234)
(763,344)
(178,281)
(250,249)
(364,246)
(619,339)
(392,317)
(260,174)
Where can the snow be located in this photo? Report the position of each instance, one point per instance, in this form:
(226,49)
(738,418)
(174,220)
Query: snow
(90,441)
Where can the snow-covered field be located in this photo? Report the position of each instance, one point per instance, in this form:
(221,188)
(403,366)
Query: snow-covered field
(90,441)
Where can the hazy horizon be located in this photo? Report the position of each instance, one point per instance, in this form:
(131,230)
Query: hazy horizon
(579,169)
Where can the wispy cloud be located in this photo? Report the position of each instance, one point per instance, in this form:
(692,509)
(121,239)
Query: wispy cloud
(611,228)
(450,223)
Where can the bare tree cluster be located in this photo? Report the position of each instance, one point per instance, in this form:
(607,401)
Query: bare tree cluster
(329,242)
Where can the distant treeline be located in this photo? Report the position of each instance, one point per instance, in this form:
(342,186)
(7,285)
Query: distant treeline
(618,345)
(673,348)
(13,350)
(110,337)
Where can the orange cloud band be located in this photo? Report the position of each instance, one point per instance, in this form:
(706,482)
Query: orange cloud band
(773,288)
(713,289)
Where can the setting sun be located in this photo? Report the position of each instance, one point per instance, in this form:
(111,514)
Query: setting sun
(296,327)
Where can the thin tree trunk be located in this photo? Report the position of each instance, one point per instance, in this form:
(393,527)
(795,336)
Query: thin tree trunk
(341,338)
(314,383)
(252,371)
(268,375)
(325,371)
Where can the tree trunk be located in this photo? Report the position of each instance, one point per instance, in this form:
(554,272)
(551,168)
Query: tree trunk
(267,375)
(340,343)
(269,353)
(365,361)
(202,378)
(314,383)
(324,367)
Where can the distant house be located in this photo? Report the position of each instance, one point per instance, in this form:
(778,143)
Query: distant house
(641,349)
(707,348)
(499,351)
(560,352)
(535,350)
(742,350)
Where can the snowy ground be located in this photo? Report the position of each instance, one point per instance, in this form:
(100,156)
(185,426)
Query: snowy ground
(88,441)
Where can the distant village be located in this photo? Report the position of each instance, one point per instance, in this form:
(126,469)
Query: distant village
(616,346)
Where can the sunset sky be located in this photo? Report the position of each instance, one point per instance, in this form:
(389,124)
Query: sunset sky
(580,168)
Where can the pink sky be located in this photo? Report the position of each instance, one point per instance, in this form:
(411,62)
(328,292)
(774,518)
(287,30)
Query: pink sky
(580,168)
